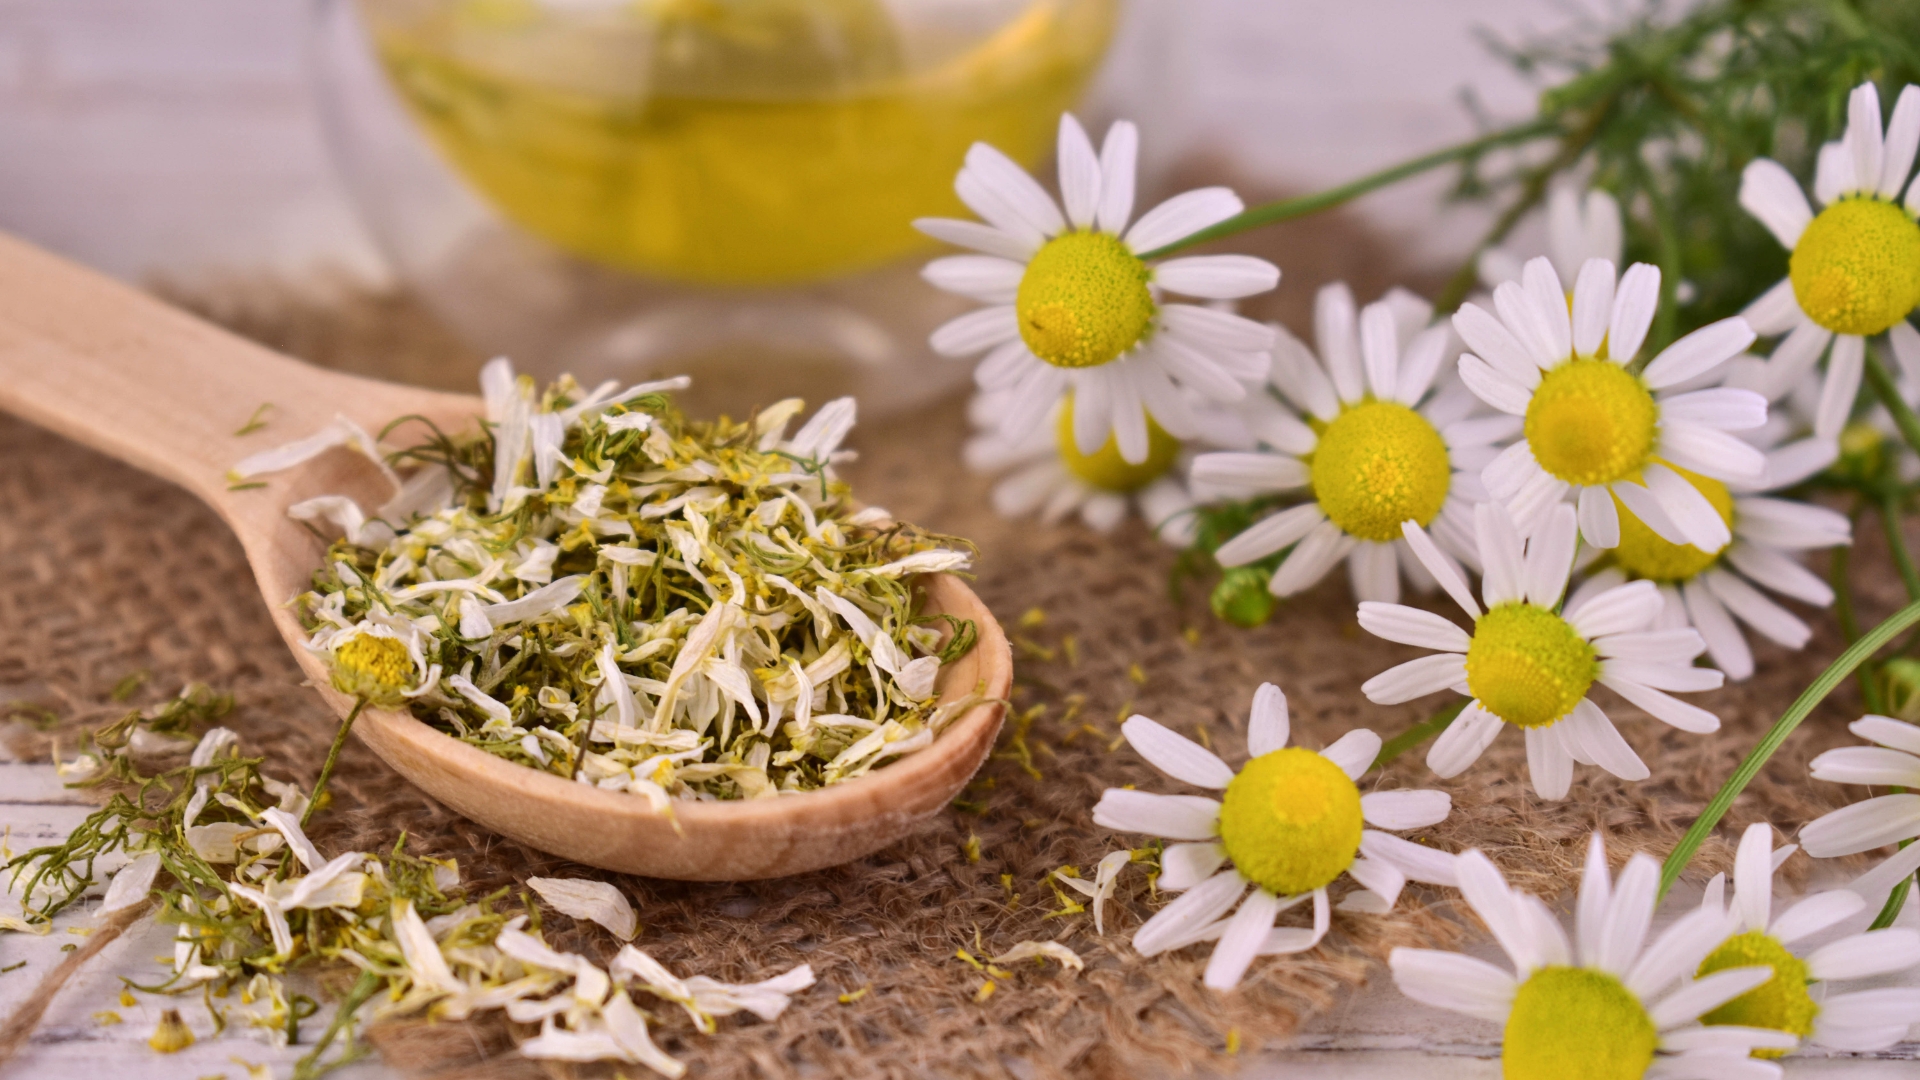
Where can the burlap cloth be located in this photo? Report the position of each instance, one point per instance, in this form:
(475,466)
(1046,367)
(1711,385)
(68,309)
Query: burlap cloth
(109,572)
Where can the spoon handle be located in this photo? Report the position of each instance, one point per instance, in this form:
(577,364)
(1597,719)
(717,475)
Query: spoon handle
(110,367)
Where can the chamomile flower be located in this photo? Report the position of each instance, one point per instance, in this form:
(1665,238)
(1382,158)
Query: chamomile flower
(1290,822)
(1044,474)
(1580,226)
(1716,591)
(1373,445)
(1797,999)
(1074,308)
(1605,1005)
(377,662)
(1592,425)
(1855,268)
(1530,664)
(1883,819)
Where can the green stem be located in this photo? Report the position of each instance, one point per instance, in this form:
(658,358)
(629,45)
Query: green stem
(1857,653)
(1897,543)
(1881,380)
(1285,209)
(333,756)
(1842,583)
(363,988)
(1417,734)
(1896,900)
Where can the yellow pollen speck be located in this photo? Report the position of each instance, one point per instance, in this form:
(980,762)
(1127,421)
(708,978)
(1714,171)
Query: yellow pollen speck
(1105,469)
(1572,1023)
(1377,465)
(373,667)
(1781,1003)
(1591,422)
(1527,666)
(1290,820)
(1643,554)
(1083,300)
(1856,269)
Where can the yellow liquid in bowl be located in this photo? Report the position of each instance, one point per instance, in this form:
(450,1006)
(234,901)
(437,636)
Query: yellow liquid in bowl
(730,142)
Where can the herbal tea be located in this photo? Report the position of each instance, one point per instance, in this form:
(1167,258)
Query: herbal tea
(760,143)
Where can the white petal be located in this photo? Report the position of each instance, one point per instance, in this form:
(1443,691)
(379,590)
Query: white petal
(1829,1034)
(1877,952)
(1592,305)
(1443,569)
(1181,217)
(1335,332)
(1175,817)
(1217,277)
(1863,826)
(1864,139)
(1380,350)
(1021,193)
(1845,365)
(976,332)
(978,236)
(1797,461)
(1300,379)
(1780,572)
(1775,312)
(1549,558)
(986,278)
(1641,504)
(589,900)
(1619,610)
(1677,952)
(1269,534)
(131,883)
(1599,519)
(1246,932)
(1875,884)
(1117,156)
(1688,508)
(1533,505)
(1884,1007)
(987,200)
(1549,765)
(1723,408)
(1590,905)
(1417,861)
(1354,752)
(1381,884)
(1267,727)
(1753,608)
(1903,137)
(1182,866)
(1258,473)
(1412,626)
(1175,754)
(1503,575)
(1667,710)
(1079,172)
(1405,809)
(1286,940)
(1588,729)
(1421,361)
(1787,524)
(1492,387)
(1753,877)
(1550,305)
(1497,906)
(1726,645)
(1677,678)
(1464,740)
(1867,765)
(1311,560)
(1199,906)
(1793,359)
(1511,471)
(1720,1043)
(1205,327)
(1454,982)
(1688,1003)
(1771,194)
(1888,732)
(1635,300)
(1497,348)
(1416,679)
(1373,571)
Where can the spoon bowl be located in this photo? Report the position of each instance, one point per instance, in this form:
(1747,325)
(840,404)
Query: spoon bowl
(114,369)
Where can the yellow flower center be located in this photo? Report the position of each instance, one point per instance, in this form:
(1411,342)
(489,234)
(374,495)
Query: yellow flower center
(1105,468)
(1643,554)
(1856,269)
(1571,1023)
(1781,1003)
(1527,666)
(1084,300)
(1591,422)
(373,667)
(1291,821)
(1377,465)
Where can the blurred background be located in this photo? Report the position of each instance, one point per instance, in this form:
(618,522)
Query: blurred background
(200,140)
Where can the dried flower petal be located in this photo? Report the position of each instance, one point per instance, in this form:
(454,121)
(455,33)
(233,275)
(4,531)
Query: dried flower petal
(595,901)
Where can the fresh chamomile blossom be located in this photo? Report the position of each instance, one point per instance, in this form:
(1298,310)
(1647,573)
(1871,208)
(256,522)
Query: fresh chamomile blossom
(1605,1004)
(1797,1000)
(1073,308)
(1883,819)
(1855,268)
(1593,425)
(1372,443)
(1289,822)
(1044,474)
(1530,663)
(1580,226)
(1716,591)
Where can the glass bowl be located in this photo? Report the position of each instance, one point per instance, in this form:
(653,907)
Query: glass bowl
(724,188)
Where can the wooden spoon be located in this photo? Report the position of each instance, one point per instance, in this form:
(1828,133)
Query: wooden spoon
(114,369)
